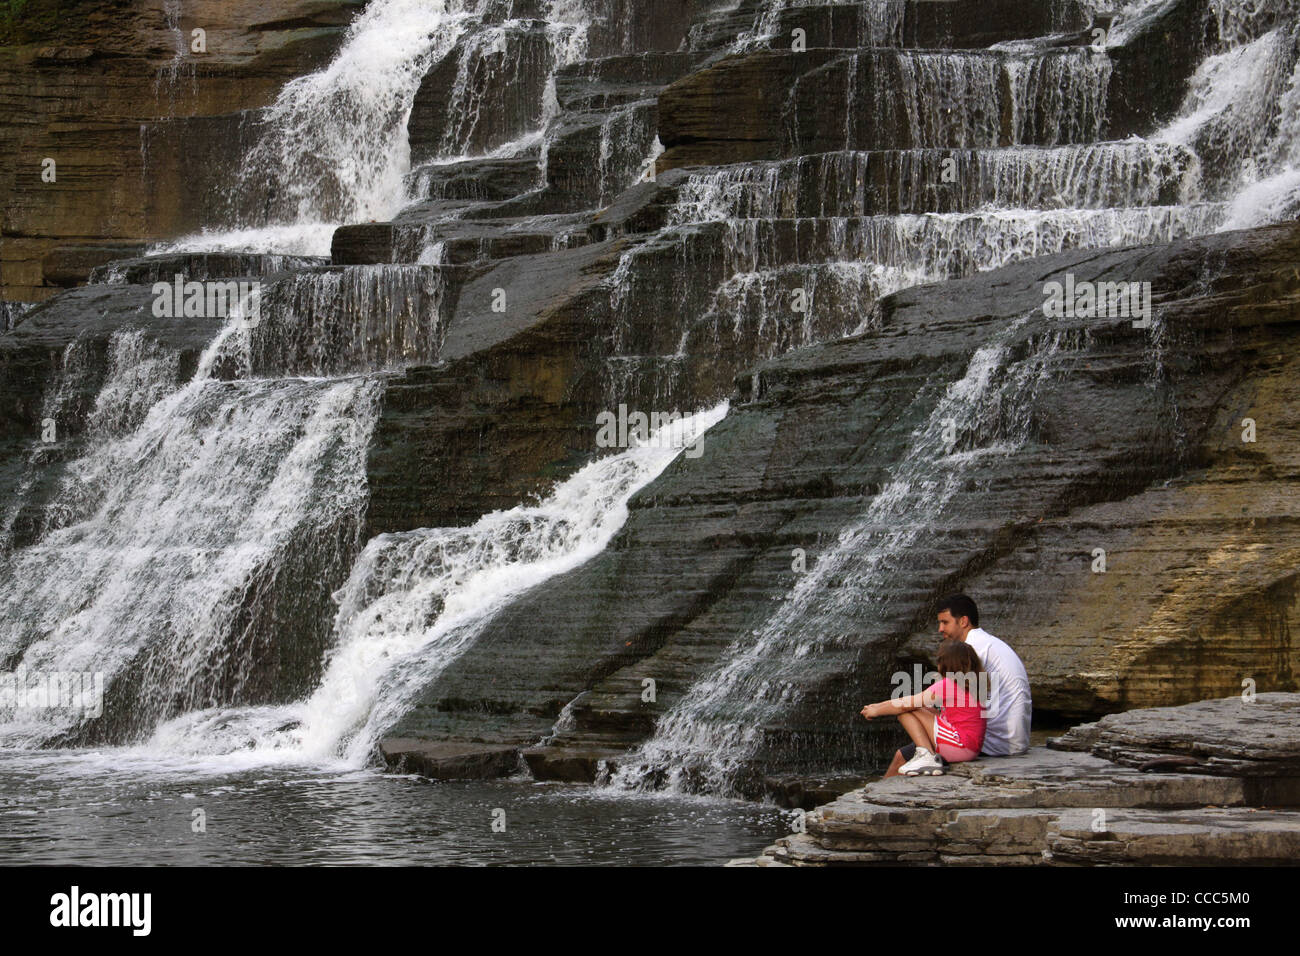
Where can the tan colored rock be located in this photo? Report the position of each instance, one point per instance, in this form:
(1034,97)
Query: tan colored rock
(80,94)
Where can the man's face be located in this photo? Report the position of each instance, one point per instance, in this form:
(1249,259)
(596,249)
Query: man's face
(953,629)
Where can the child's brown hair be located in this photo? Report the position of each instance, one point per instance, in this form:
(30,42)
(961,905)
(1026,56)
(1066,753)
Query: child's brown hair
(957,657)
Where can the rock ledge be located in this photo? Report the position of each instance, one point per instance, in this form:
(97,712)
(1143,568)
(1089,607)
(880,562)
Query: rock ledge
(1221,786)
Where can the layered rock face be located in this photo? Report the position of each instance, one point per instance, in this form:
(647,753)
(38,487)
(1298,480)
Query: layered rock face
(93,87)
(1206,784)
(845,219)
(1075,435)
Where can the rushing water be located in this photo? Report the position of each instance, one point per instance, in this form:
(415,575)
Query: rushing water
(719,723)
(334,149)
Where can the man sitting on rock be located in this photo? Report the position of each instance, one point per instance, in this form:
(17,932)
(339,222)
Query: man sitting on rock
(1009,706)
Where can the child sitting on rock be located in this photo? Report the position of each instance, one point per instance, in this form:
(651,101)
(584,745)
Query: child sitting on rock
(956,733)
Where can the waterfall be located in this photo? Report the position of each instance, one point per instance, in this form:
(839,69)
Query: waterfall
(705,739)
(200,543)
(1268,182)
(1227,160)
(1231,105)
(882,23)
(840,185)
(334,145)
(11,313)
(60,405)
(158,563)
(416,600)
(334,149)
(356,319)
(179,65)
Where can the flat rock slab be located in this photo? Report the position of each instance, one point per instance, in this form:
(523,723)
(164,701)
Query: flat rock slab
(1234,804)
(444,760)
(1230,737)
(1216,835)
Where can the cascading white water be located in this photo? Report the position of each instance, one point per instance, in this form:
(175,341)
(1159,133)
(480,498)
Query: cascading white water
(1270,188)
(250,469)
(1227,161)
(362,318)
(1095,176)
(335,143)
(334,149)
(1264,163)
(719,722)
(416,600)
(171,526)
(1232,100)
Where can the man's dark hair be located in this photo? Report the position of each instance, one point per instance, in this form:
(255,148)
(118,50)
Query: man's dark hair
(959,606)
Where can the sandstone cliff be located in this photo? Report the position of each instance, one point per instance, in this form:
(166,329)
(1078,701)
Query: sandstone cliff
(99,88)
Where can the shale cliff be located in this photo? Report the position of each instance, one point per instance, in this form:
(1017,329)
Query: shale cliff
(844,219)
(114,94)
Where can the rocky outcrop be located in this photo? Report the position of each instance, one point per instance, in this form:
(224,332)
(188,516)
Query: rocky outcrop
(1088,800)
(449,761)
(1230,737)
(78,81)
(1132,449)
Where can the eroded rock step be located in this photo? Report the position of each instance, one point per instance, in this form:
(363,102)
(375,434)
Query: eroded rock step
(914,23)
(486,179)
(926,25)
(487,92)
(455,241)
(771,104)
(607,82)
(917,181)
(197,266)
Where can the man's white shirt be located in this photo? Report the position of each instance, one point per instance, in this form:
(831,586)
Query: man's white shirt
(1010,707)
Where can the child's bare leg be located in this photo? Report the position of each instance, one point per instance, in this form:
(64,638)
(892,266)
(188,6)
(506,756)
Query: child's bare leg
(919,725)
(894,764)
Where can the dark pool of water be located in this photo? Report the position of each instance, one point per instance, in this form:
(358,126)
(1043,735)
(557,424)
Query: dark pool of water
(74,810)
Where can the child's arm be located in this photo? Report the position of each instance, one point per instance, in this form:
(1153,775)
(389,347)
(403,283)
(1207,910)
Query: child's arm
(901,705)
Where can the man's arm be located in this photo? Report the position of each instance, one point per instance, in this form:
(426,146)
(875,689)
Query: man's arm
(1019,720)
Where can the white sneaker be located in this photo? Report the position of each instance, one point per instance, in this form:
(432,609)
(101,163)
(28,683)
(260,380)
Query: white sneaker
(924,763)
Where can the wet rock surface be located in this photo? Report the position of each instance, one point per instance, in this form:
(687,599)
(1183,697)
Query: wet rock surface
(706,554)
